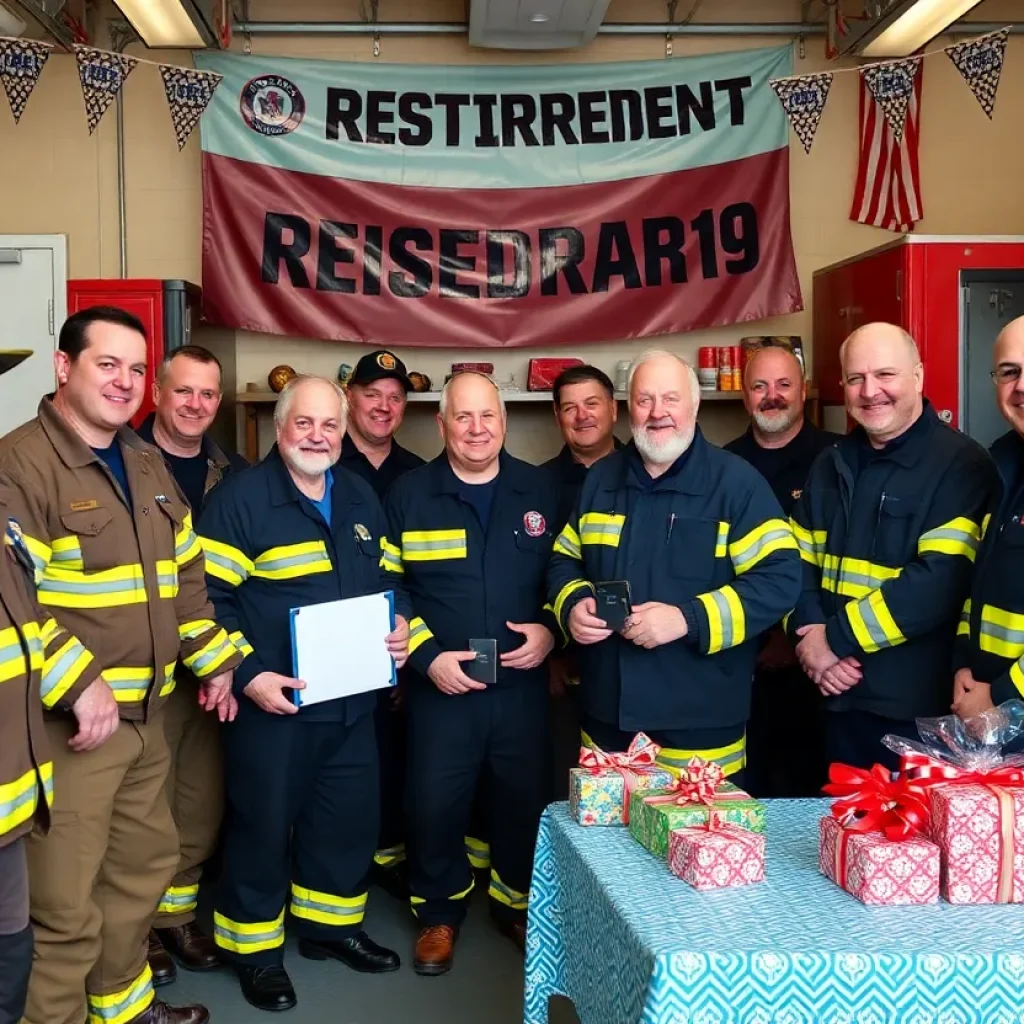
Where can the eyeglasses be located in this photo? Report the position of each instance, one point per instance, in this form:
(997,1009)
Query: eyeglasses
(1006,374)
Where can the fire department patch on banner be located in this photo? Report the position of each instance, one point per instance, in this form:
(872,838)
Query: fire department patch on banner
(803,99)
(188,93)
(892,84)
(102,75)
(21,64)
(980,61)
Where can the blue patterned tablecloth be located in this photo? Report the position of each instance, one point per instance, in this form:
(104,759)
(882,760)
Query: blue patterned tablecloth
(628,943)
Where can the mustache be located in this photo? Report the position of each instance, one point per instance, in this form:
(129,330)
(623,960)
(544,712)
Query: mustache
(773,404)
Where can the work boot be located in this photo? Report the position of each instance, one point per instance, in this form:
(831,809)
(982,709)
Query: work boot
(189,947)
(516,931)
(435,948)
(359,952)
(160,1013)
(267,988)
(160,962)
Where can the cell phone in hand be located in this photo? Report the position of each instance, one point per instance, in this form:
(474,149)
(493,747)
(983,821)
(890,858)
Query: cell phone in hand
(614,603)
(484,667)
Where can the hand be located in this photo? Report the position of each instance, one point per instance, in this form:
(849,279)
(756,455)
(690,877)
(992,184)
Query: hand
(266,692)
(446,673)
(974,701)
(398,641)
(215,695)
(539,643)
(843,675)
(97,716)
(962,682)
(777,652)
(814,652)
(584,625)
(652,624)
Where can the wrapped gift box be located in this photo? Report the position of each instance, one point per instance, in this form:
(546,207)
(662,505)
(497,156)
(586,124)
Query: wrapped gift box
(880,871)
(599,798)
(651,822)
(981,833)
(716,858)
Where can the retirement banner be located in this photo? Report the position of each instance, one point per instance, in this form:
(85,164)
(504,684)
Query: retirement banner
(496,205)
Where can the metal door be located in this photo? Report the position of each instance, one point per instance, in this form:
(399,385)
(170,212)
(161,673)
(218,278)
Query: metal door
(32,283)
(990,299)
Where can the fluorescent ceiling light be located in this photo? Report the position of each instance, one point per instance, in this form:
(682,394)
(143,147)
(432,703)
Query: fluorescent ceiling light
(539,18)
(913,25)
(165,23)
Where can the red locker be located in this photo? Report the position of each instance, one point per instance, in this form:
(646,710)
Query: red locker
(919,282)
(168,309)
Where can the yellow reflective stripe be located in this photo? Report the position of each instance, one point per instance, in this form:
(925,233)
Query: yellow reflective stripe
(1017,675)
(12,654)
(62,669)
(433,545)
(390,856)
(960,536)
(170,682)
(241,644)
(568,543)
(854,577)
(984,524)
(872,623)
(253,937)
(123,1006)
(109,588)
(786,618)
(964,626)
(20,798)
(601,528)
(210,656)
(419,900)
(128,684)
(66,553)
(1001,632)
(771,536)
(727,623)
(226,563)
(479,853)
(503,893)
(811,543)
(195,627)
(290,561)
(419,633)
(42,553)
(570,588)
(722,541)
(186,543)
(167,578)
(178,899)
(390,556)
(49,630)
(326,909)
(730,758)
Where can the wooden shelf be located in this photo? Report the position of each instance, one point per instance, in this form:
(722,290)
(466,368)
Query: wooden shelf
(269,397)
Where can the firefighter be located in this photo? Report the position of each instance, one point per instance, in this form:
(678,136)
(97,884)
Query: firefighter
(888,527)
(120,567)
(471,532)
(989,652)
(710,562)
(187,394)
(785,741)
(34,653)
(301,785)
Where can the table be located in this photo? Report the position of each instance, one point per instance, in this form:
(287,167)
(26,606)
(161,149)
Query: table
(627,942)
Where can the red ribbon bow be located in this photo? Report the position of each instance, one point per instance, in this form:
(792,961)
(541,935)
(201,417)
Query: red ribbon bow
(924,771)
(698,782)
(872,802)
(642,752)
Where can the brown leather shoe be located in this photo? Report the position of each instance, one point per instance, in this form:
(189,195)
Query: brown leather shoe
(190,947)
(160,1013)
(160,962)
(516,931)
(435,947)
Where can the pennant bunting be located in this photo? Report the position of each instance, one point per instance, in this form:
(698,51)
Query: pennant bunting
(891,84)
(21,64)
(188,94)
(102,75)
(803,99)
(980,61)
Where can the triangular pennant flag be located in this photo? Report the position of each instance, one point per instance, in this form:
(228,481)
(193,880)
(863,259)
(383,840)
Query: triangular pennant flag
(891,84)
(803,99)
(188,94)
(21,64)
(102,75)
(980,61)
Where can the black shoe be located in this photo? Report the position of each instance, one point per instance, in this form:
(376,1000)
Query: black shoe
(394,881)
(160,962)
(267,988)
(358,951)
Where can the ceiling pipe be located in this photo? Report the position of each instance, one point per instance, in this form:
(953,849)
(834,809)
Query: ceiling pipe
(47,21)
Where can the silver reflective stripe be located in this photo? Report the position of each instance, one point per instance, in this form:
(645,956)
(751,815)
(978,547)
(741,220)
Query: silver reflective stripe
(357,909)
(751,551)
(603,529)
(1004,633)
(228,563)
(199,665)
(248,938)
(452,544)
(83,587)
(568,546)
(874,628)
(56,672)
(290,561)
(726,615)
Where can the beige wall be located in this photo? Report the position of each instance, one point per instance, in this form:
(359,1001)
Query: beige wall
(56,178)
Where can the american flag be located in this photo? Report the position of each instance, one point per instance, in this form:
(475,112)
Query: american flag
(888,192)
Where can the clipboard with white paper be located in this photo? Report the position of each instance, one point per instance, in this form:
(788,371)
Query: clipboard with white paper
(339,648)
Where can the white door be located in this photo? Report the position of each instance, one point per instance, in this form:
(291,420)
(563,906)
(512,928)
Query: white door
(33,285)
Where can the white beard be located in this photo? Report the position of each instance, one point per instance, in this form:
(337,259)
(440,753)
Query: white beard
(667,452)
(307,463)
(776,424)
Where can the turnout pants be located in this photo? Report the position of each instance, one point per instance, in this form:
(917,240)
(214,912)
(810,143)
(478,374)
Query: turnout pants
(855,738)
(390,725)
(303,802)
(499,735)
(15,932)
(195,792)
(96,879)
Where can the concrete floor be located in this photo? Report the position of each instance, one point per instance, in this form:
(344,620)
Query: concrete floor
(486,982)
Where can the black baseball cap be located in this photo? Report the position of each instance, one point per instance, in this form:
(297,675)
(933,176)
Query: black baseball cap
(378,365)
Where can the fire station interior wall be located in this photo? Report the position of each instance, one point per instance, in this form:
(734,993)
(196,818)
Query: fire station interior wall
(56,178)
